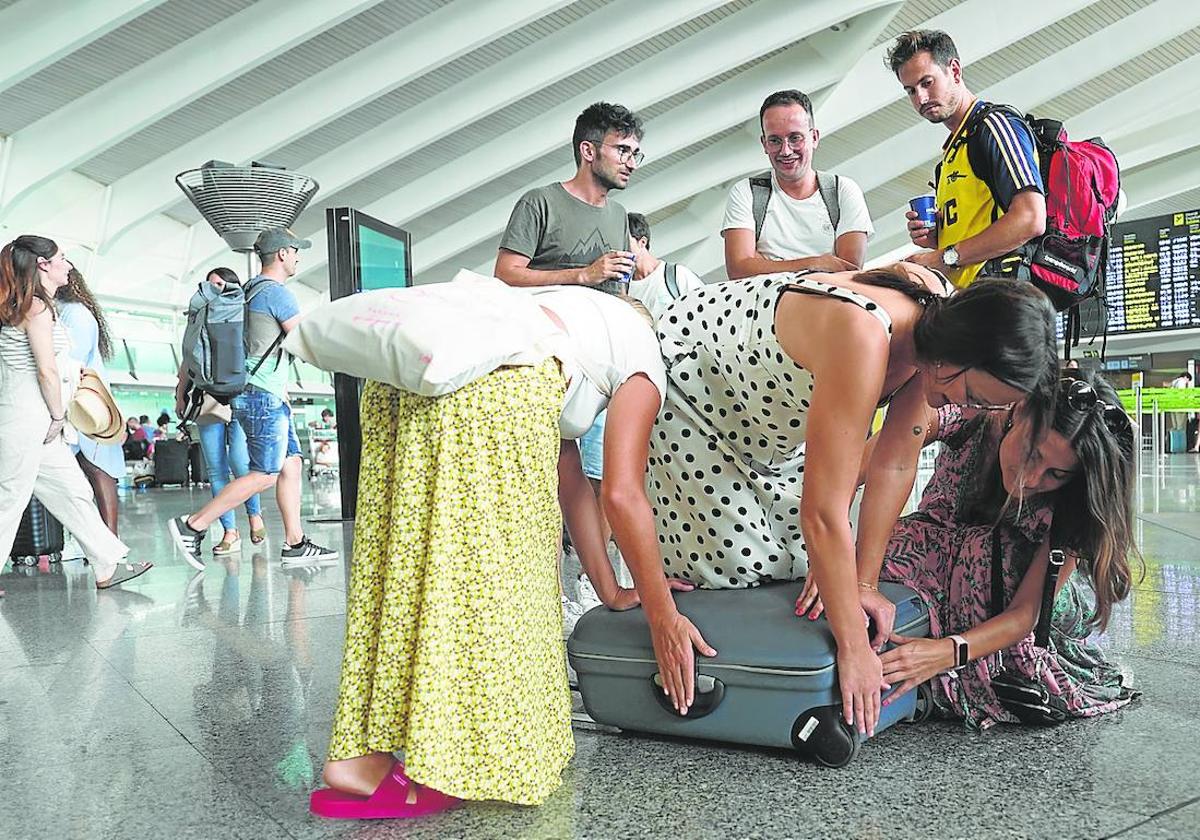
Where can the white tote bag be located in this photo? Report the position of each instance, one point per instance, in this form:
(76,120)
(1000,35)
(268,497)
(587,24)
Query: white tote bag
(430,339)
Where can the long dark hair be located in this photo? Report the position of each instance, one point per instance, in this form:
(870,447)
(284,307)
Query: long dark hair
(1093,512)
(19,283)
(77,291)
(1001,327)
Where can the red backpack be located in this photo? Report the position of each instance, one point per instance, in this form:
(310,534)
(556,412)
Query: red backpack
(1082,179)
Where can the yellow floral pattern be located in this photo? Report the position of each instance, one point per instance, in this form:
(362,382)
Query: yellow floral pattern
(454,649)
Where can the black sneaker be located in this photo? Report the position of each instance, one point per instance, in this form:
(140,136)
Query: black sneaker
(304,553)
(188,539)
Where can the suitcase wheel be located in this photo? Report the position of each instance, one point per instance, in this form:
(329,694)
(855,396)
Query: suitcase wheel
(821,734)
(924,704)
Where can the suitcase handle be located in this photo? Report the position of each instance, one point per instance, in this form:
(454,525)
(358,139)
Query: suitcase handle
(710,691)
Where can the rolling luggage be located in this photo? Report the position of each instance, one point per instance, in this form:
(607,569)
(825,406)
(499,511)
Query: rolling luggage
(39,533)
(171,462)
(1176,441)
(196,463)
(772,683)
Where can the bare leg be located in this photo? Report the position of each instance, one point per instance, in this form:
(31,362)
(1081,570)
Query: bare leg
(232,494)
(361,775)
(104,486)
(287,495)
(605,528)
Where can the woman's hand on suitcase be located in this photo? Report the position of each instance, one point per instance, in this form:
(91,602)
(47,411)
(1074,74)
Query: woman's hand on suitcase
(860,675)
(810,600)
(914,661)
(880,610)
(675,639)
(626,599)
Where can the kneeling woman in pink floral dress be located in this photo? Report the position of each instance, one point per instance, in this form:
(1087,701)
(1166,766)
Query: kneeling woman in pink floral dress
(998,499)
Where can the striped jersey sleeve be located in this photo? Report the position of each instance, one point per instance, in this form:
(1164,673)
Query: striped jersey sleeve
(1011,163)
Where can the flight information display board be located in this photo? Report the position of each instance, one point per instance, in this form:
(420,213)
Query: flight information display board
(1154,274)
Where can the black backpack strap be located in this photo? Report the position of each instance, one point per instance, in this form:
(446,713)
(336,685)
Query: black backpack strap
(1041,636)
(275,345)
(998,599)
(827,185)
(760,196)
(672,280)
(250,295)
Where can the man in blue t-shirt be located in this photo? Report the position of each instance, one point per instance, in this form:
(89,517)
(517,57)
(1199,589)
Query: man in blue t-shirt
(262,410)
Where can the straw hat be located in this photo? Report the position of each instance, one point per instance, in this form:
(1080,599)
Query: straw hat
(94,412)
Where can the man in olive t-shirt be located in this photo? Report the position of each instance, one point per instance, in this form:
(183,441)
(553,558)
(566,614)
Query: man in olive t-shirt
(570,232)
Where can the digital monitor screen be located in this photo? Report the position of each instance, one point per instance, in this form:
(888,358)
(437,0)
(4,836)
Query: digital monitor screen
(1154,274)
(383,259)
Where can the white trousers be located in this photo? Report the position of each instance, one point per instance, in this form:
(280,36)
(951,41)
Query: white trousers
(49,471)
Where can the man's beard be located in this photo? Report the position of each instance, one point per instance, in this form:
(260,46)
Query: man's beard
(607,181)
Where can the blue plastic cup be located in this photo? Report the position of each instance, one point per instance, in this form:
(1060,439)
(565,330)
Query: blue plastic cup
(925,206)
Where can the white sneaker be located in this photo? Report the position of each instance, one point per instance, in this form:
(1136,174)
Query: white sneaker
(587,594)
(572,612)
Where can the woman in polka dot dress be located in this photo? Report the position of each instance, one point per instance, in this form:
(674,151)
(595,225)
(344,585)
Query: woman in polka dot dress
(772,383)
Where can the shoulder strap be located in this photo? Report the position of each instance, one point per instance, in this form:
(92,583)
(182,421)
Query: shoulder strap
(672,280)
(828,187)
(1041,636)
(760,195)
(998,599)
(250,290)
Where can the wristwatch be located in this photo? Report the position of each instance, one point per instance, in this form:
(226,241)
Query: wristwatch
(961,653)
(950,256)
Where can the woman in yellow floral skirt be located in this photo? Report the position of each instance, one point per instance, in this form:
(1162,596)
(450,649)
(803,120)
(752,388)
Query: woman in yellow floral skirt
(454,651)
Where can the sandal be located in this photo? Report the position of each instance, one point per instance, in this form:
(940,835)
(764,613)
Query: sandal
(125,572)
(258,535)
(388,802)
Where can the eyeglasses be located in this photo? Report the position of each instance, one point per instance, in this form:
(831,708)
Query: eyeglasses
(794,140)
(1082,397)
(627,153)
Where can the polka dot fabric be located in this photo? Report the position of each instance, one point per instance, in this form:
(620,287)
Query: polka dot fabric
(454,650)
(726,465)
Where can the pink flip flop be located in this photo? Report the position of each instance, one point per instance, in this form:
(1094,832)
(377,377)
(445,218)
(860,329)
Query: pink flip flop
(388,802)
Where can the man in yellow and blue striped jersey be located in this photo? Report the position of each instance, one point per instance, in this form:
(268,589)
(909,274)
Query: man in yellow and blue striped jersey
(990,195)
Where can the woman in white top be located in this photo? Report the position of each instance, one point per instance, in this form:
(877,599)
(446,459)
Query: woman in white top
(454,650)
(34,459)
(91,346)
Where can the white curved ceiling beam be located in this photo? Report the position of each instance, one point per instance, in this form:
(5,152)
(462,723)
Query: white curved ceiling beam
(138,98)
(765,28)
(36,33)
(868,87)
(527,71)
(368,74)
(1033,85)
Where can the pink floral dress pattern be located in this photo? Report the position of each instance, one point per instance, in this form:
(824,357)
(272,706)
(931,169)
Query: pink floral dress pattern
(949,563)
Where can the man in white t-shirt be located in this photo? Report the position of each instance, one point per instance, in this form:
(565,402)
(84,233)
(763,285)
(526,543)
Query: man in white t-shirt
(802,221)
(656,283)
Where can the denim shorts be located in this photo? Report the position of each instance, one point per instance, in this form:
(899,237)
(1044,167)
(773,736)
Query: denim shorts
(591,448)
(267,421)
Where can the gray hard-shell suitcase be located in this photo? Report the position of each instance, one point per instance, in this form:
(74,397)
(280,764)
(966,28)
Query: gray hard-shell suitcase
(772,682)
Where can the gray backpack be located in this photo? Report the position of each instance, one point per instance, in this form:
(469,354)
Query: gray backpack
(760,193)
(214,341)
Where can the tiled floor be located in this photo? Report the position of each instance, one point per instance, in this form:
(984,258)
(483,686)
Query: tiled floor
(199,706)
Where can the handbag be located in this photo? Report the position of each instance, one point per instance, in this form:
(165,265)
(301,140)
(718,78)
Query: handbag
(431,339)
(1029,701)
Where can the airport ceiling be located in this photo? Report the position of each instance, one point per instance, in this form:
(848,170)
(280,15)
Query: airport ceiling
(435,115)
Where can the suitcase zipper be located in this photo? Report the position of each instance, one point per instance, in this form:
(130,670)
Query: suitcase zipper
(708,665)
(713,666)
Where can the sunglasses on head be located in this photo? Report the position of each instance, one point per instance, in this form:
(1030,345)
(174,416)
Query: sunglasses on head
(1081,396)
